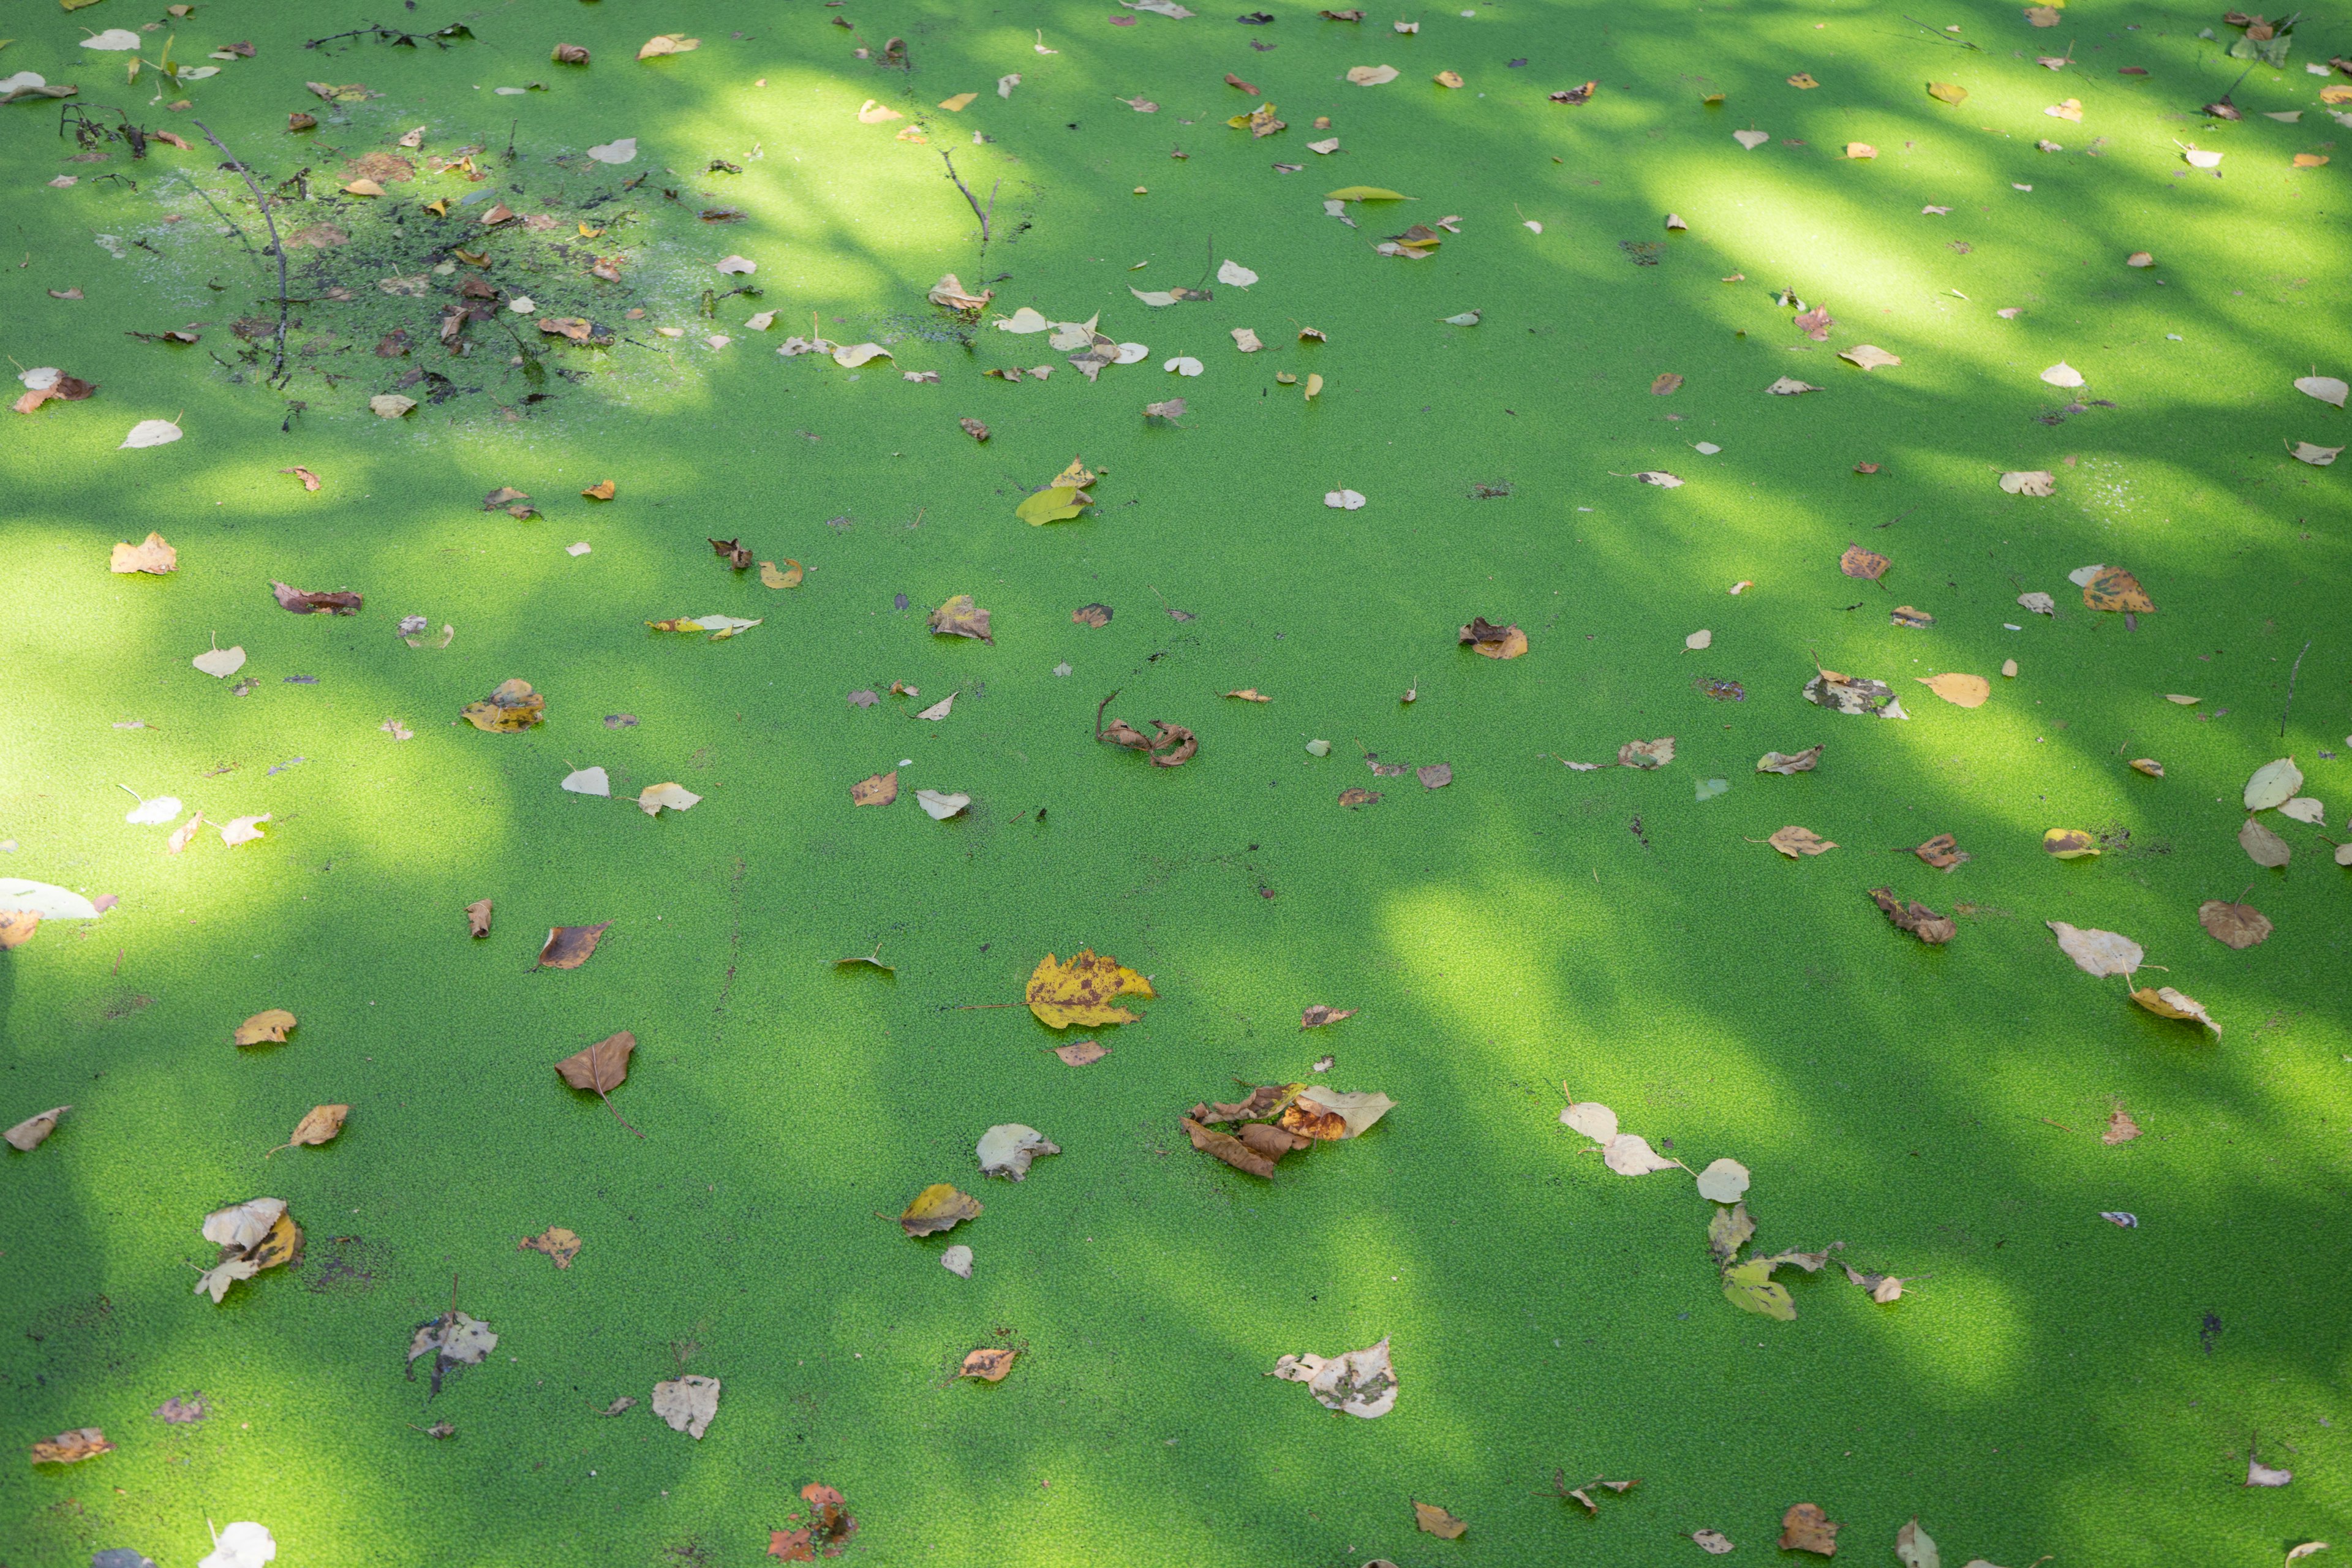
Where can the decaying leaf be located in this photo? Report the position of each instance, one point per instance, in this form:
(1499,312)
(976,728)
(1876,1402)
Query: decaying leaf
(253,1235)
(935,1208)
(960,617)
(988,1364)
(1798,842)
(668,44)
(1007,1149)
(2116,589)
(2262,846)
(789,577)
(1714,1543)
(1805,1528)
(1867,565)
(513,706)
(559,1244)
(1722,1180)
(1943,852)
(1918,918)
(2241,926)
(1492,641)
(688,1402)
(311,603)
(1646,755)
(318,1125)
(957,1260)
(1802,761)
(2166,1002)
(2098,953)
(1314,1017)
(601,1068)
(265,1029)
(654,799)
(1959,690)
(2030,482)
(2150,767)
(477,918)
(1883,1288)
(1866,356)
(2069,843)
(1729,1231)
(1326,1114)
(152,555)
(29,1133)
(72,1448)
(879,790)
(1434,1521)
(1083,991)
(568,947)
(1081,1052)
(2120,1127)
(1244,1154)
(1359,1382)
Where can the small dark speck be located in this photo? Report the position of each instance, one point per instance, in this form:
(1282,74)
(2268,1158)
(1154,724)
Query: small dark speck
(986,945)
(1074,125)
(898,601)
(302,680)
(1666,1142)
(1515,65)
(1252,846)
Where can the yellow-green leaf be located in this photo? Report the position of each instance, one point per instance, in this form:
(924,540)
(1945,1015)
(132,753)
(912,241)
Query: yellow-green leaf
(1364,194)
(1947,92)
(1750,1286)
(1059,504)
(935,1208)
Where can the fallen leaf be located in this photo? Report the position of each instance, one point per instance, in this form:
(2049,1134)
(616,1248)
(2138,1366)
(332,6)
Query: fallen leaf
(654,798)
(1083,991)
(1359,1382)
(935,1208)
(477,918)
(1081,1052)
(879,790)
(2302,808)
(957,1260)
(151,433)
(265,1029)
(2327,389)
(28,1135)
(1714,1543)
(86,1442)
(513,707)
(1436,1521)
(2273,784)
(939,805)
(318,1125)
(2150,767)
(2116,589)
(1959,690)
(1796,842)
(1862,152)
(1789,386)
(2241,926)
(1805,1528)
(587,781)
(311,603)
(988,1364)
(1867,356)
(1372,76)
(1343,500)
(568,947)
(182,836)
(603,1066)
(1007,1150)
(960,616)
(1802,761)
(2166,1002)
(2040,604)
(2261,1475)
(1722,1182)
(1328,1114)
(1918,918)
(1492,641)
(669,44)
(2120,1128)
(1867,565)
(1654,753)
(1352,798)
(2098,953)
(1751,139)
(2262,846)
(2029,482)
(688,1402)
(2316,456)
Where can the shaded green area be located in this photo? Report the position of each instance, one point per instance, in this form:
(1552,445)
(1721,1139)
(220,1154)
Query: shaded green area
(2051,1384)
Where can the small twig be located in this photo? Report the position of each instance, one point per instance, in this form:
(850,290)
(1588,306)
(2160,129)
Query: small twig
(277,363)
(2290,687)
(1941,36)
(970,199)
(2060,1125)
(1098,713)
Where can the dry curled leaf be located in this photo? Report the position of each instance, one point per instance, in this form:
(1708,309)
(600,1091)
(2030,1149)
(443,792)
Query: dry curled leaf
(1314,1017)
(29,1133)
(1805,1528)
(1943,852)
(477,918)
(1959,690)
(72,1448)
(1492,641)
(2166,1002)
(960,617)
(988,1364)
(318,1125)
(1918,918)
(561,1245)
(265,1029)
(1359,1382)
(935,1208)
(1802,761)
(1436,1521)
(2120,1127)
(308,603)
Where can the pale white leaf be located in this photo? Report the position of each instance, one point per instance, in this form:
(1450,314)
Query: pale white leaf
(939,805)
(1722,1180)
(1007,1149)
(1234,274)
(2100,953)
(1345,500)
(588,780)
(620,152)
(151,433)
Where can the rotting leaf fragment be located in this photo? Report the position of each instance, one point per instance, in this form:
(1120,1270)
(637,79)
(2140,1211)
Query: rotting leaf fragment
(1492,641)
(1083,990)
(568,947)
(1918,918)
(935,1208)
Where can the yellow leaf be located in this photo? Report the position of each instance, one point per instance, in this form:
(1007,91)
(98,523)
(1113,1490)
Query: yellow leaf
(957,105)
(1083,990)
(1751,1286)
(319,1126)
(1077,476)
(267,1029)
(1959,690)
(152,555)
(1947,92)
(788,578)
(2069,843)
(587,232)
(1058,503)
(2166,1002)
(935,1208)
(1364,194)
(438,208)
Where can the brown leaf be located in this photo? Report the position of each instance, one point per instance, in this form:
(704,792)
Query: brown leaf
(568,947)
(558,1243)
(1262,1101)
(1352,798)
(935,1208)
(879,790)
(72,1448)
(298,120)
(309,481)
(1091,616)
(1815,323)
(2239,926)
(1865,563)
(17,926)
(307,604)
(988,1364)
(1943,852)
(1915,619)
(2262,846)
(152,555)
(268,1029)
(1232,80)
(513,706)
(1250,694)
(2116,589)
(1802,761)
(603,1066)
(1231,1149)
(569,55)
(1081,1052)
(1918,918)
(477,917)
(1314,1017)
(1438,1521)
(318,1125)
(2121,1128)
(601,490)
(177,1411)
(732,551)
(974,428)
(1794,842)
(1666,385)
(1805,1528)
(28,1135)
(1654,753)
(1494,641)
(1435,775)
(960,617)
